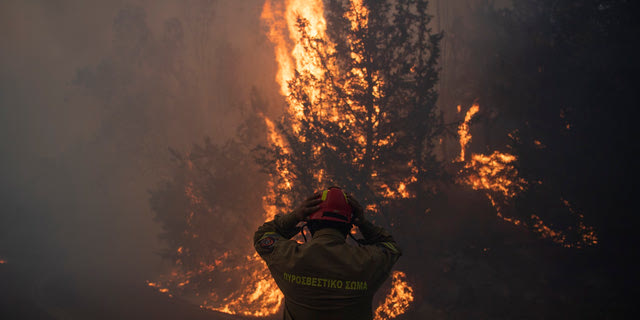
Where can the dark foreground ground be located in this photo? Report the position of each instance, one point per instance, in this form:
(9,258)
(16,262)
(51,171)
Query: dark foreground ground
(455,285)
(55,295)
(462,263)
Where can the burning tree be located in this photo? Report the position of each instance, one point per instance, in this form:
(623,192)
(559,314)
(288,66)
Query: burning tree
(206,211)
(538,102)
(358,78)
(361,114)
(361,102)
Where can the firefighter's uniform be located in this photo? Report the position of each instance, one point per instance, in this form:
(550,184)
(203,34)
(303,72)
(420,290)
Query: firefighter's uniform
(326,278)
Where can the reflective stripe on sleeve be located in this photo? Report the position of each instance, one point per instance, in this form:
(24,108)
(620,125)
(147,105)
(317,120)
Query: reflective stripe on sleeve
(390,246)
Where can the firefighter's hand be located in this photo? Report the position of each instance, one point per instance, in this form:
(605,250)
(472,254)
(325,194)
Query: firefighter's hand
(358,212)
(308,207)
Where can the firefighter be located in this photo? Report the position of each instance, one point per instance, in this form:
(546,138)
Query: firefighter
(326,277)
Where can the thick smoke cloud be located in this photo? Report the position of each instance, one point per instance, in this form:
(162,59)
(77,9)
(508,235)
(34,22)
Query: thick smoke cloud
(92,95)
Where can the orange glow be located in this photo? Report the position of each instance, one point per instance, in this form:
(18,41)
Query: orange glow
(495,173)
(290,25)
(260,295)
(586,234)
(288,22)
(497,176)
(398,300)
(539,144)
(463,129)
(2,261)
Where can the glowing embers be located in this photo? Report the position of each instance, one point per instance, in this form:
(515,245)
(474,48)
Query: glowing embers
(497,176)
(584,236)
(463,129)
(246,286)
(494,172)
(398,300)
(259,295)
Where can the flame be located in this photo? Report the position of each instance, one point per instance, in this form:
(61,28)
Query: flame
(2,261)
(398,300)
(289,21)
(256,294)
(494,173)
(587,235)
(463,129)
(260,296)
(497,177)
(282,19)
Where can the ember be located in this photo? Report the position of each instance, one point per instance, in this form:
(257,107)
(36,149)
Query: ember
(497,176)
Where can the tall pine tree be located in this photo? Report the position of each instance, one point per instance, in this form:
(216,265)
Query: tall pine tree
(362,111)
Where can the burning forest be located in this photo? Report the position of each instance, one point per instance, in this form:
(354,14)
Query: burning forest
(360,113)
(479,133)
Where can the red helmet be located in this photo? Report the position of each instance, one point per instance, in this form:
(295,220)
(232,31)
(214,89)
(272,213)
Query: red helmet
(334,207)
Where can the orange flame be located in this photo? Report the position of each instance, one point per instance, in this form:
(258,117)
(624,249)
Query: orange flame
(463,129)
(287,20)
(286,25)
(496,175)
(260,296)
(398,300)
(296,56)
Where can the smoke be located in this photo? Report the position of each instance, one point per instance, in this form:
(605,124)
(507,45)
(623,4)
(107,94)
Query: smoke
(92,95)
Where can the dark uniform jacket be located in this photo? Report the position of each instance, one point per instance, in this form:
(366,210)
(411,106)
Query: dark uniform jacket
(326,278)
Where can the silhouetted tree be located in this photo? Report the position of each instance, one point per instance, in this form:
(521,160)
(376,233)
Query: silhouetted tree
(559,76)
(369,120)
(208,209)
(149,86)
(556,76)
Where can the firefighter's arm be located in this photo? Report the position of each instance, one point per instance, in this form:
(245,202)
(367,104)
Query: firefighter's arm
(381,249)
(372,234)
(375,235)
(283,227)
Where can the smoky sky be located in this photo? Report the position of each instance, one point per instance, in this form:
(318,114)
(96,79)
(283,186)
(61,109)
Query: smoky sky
(92,96)
(82,144)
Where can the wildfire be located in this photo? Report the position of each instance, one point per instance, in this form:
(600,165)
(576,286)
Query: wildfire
(254,293)
(494,172)
(260,295)
(463,129)
(398,300)
(288,22)
(496,175)
(292,24)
